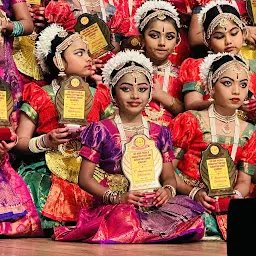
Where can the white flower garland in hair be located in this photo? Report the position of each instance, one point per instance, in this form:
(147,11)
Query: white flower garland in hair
(120,59)
(43,45)
(210,5)
(142,11)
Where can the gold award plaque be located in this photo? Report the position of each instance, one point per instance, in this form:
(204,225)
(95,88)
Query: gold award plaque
(96,32)
(142,164)
(73,101)
(6,104)
(218,171)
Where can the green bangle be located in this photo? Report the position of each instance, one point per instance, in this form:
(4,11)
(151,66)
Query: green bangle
(18,29)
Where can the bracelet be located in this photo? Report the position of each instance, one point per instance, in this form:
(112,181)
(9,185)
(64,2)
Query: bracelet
(112,197)
(238,193)
(36,146)
(18,29)
(193,192)
(171,188)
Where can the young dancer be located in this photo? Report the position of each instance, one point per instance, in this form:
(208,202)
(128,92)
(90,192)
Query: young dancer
(119,215)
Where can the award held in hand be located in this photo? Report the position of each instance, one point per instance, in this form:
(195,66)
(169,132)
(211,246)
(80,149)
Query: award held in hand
(6,108)
(74,102)
(218,172)
(142,165)
(96,32)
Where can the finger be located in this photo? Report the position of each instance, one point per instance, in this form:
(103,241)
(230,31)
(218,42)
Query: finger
(162,200)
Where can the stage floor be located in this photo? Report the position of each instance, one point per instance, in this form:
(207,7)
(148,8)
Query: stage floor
(47,247)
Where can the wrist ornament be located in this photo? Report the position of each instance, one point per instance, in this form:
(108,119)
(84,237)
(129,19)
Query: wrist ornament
(37,144)
(112,197)
(193,192)
(171,189)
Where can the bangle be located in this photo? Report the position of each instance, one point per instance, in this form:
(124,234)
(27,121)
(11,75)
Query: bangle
(36,146)
(193,192)
(171,188)
(112,197)
(238,193)
(18,29)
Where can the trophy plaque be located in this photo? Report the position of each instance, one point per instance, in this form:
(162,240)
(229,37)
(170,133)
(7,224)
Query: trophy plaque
(251,10)
(74,102)
(6,108)
(96,32)
(218,172)
(142,164)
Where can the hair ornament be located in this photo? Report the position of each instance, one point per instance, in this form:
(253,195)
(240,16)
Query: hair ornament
(160,10)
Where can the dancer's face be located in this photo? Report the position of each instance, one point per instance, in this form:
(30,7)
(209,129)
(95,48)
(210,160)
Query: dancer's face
(231,88)
(229,39)
(132,93)
(159,40)
(77,60)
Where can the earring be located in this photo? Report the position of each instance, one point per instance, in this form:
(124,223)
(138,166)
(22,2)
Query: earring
(174,51)
(60,65)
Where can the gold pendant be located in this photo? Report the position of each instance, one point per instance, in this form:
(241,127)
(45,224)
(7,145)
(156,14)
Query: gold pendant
(226,129)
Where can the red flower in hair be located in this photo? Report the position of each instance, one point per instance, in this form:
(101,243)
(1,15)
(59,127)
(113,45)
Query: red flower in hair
(60,12)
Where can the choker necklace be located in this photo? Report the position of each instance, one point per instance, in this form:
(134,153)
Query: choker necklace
(162,67)
(225,119)
(134,129)
(121,129)
(212,117)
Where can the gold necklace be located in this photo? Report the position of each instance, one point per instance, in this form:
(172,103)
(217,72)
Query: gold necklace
(225,119)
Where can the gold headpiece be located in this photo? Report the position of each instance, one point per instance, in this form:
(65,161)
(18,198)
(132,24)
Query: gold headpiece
(63,46)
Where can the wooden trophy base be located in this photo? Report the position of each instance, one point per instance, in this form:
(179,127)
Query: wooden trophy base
(5,134)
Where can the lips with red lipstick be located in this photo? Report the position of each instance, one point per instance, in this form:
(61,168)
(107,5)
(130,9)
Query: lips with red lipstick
(134,103)
(236,100)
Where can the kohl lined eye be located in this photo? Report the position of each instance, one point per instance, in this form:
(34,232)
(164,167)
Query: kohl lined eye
(153,35)
(170,36)
(125,89)
(235,33)
(244,84)
(143,89)
(227,83)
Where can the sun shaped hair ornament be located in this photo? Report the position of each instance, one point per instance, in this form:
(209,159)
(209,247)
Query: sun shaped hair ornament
(120,59)
(210,5)
(44,42)
(160,9)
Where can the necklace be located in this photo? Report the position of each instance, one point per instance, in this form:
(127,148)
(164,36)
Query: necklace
(225,119)
(121,129)
(100,3)
(212,117)
(55,86)
(134,129)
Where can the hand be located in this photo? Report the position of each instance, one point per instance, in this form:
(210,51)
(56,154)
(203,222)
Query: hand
(162,196)
(157,90)
(96,77)
(5,147)
(98,63)
(250,109)
(38,17)
(251,35)
(202,198)
(57,137)
(134,198)
(31,11)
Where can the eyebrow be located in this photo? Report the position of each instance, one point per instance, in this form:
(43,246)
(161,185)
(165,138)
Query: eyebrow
(171,32)
(224,32)
(132,84)
(226,77)
(80,49)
